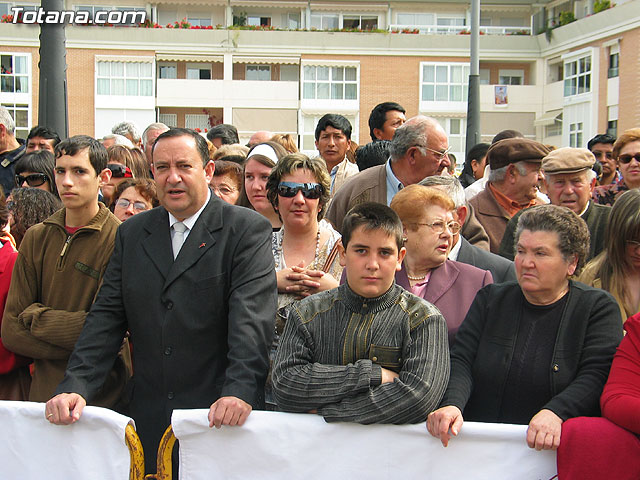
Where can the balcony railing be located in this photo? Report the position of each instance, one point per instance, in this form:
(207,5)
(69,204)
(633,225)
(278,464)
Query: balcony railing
(458,30)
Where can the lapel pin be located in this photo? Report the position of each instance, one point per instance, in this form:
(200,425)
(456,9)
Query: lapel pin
(202,245)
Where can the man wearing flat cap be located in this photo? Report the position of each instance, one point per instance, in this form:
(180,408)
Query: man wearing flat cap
(570,181)
(514,173)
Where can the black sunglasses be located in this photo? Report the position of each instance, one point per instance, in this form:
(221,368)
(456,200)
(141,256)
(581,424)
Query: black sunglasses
(119,171)
(33,179)
(309,190)
(624,159)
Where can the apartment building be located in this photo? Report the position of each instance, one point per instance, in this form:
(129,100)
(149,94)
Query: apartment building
(559,71)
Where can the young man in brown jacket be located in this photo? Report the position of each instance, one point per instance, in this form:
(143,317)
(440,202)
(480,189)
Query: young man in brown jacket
(58,271)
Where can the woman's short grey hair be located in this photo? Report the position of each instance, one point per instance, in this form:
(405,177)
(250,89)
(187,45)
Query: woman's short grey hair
(452,187)
(572,231)
(498,175)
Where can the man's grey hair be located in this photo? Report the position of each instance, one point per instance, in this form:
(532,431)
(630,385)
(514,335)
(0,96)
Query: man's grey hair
(124,128)
(7,120)
(413,133)
(452,187)
(590,175)
(498,175)
(153,126)
(120,140)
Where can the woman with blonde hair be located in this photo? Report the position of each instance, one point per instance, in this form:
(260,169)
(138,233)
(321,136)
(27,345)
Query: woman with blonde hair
(617,268)
(286,140)
(626,152)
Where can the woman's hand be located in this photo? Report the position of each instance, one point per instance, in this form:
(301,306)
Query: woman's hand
(440,421)
(544,431)
(303,282)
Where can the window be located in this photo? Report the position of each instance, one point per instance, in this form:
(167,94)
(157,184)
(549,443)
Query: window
(291,21)
(485,76)
(612,127)
(577,76)
(325,21)
(575,135)
(614,64)
(199,21)
(456,129)
(167,70)
(20,115)
(258,72)
(125,78)
(169,119)
(92,9)
(556,72)
(511,77)
(258,21)
(196,120)
(289,73)
(14,74)
(309,123)
(555,129)
(330,83)
(198,72)
(416,19)
(444,82)
(360,22)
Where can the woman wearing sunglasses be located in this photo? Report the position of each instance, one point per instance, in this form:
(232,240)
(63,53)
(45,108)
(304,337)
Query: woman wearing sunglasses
(119,161)
(617,268)
(626,151)
(305,249)
(35,169)
(429,227)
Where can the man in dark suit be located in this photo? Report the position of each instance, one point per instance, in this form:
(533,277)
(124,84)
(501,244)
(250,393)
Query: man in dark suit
(201,324)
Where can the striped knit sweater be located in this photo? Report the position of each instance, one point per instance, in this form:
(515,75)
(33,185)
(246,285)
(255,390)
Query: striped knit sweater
(335,343)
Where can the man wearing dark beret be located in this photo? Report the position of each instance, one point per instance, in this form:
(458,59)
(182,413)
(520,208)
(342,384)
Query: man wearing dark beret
(514,174)
(570,181)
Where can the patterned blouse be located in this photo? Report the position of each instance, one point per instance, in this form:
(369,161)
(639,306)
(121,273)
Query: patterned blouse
(318,263)
(607,194)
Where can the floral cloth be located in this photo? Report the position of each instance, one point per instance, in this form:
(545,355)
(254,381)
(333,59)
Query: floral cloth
(607,194)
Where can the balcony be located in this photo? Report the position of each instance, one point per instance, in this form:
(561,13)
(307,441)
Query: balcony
(220,93)
(520,98)
(457,30)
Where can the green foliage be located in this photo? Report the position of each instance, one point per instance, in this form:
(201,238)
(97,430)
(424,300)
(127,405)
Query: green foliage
(600,5)
(566,17)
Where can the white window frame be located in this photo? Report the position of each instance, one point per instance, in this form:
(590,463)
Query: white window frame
(451,87)
(259,72)
(332,82)
(127,78)
(92,9)
(173,65)
(507,76)
(323,17)
(256,20)
(577,71)
(360,16)
(12,77)
(555,129)
(169,119)
(22,129)
(432,22)
(197,21)
(576,134)
(199,67)
(460,137)
(292,20)
(196,120)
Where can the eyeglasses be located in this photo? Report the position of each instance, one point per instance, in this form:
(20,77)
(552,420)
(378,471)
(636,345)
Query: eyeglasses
(440,154)
(309,190)
(137,206)
(119,171)
(223,190)
(439,226)
(624,159)
(598,154)
(33,179)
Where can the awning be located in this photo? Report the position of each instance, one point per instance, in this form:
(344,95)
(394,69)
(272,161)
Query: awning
(261,60)
(322,62)
(258,3)
(548,118)
(124,58)
(179,57)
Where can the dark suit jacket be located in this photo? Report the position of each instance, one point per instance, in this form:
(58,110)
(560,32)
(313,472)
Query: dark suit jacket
(501,269)
(452,288)
(200,326)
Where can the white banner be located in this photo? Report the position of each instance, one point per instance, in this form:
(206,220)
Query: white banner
(297,446)
(31,448)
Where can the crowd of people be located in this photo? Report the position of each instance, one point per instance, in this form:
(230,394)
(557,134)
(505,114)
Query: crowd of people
(167,269)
